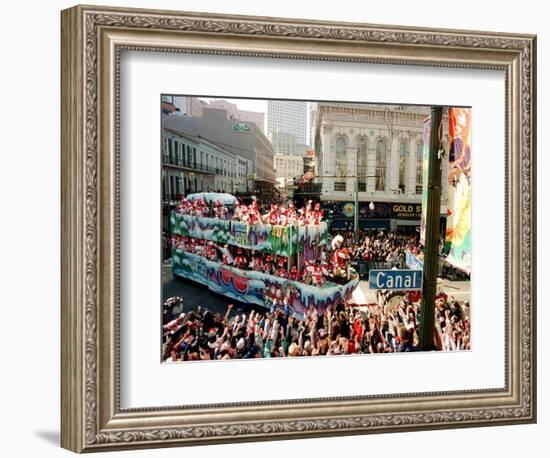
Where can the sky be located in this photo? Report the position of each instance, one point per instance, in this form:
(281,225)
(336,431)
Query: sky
(243,104)
(259,105)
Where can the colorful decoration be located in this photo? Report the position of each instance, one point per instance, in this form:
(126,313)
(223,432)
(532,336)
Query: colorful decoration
(459,219)
(279,240)
(257,287)
(425,163)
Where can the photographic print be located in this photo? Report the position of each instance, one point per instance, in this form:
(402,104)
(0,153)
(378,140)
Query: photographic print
(297,228)
(319,230)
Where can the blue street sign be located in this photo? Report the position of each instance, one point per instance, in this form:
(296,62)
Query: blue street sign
(396,279)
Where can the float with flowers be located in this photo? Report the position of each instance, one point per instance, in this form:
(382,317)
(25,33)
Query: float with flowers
(279,258)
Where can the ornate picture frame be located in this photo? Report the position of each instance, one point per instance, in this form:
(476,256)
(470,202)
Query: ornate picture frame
(92,41)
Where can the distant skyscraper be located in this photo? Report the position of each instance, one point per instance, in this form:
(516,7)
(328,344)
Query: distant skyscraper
(287,117)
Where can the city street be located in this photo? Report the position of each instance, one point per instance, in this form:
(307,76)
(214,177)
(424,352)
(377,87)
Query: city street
(460,290)
(195,294)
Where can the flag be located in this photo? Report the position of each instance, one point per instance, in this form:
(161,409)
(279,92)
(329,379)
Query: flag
(459,219)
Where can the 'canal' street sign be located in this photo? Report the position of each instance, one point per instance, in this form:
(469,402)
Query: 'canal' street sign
(396,279)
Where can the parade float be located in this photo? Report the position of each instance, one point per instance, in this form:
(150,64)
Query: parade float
(299,244)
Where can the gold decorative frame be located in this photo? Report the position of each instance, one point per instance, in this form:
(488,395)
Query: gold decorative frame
(92,40)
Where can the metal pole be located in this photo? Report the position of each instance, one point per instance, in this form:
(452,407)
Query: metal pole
(356,203)
(431,237)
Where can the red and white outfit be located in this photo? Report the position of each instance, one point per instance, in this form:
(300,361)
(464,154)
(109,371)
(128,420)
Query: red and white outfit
(317,214)
(211,251)
(293,274)
(240,260)
(220,210)
(318,279)
(281,272)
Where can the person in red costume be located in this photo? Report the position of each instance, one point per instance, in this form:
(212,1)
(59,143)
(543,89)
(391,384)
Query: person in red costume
(309,212)
(340,257)
(254,213)
(291,213)
(211,251)
(293,274)
(317,214)
(237,211)
(317,275)
(244,214)
(220,210)
(281,272)
(240,259)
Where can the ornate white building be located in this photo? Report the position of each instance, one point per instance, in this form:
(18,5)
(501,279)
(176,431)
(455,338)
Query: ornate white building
(381,145)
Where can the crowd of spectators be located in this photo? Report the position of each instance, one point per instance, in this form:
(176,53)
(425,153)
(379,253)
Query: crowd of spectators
(201,334)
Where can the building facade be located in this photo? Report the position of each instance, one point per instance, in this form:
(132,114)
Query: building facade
(193,164)
(288,167)
(378,148)
(288,117)
(185,105)
(244,140)
(233,113)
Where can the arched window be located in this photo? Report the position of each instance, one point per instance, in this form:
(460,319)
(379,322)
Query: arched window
(419,171)
(362,163)
(381,150)
(340,168)
(402,166)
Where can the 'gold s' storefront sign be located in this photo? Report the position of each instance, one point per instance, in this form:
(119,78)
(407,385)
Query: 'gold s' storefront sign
(406,211)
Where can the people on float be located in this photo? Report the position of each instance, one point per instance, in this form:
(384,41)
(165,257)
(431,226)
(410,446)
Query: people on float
(211,252)
(291,213)
(245,214)
(317,214)
(240,259)
(220,210)
(283,220)
(254,216)
(281,272)
(237,211)
(307,273)
(293,274)
(272,217)
(339,257)
(317,275)
(267,266)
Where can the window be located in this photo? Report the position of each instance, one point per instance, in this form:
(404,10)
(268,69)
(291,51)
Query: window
(340,166)
(381,165)
(362,163)
(419,171)
(402,166)
(170,149)
(180,153)
(340,186)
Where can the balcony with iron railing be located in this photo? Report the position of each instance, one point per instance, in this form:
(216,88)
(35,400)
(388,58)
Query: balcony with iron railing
(177,162)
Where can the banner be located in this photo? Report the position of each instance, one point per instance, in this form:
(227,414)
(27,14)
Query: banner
(413,262)
(458,235)
(425,163)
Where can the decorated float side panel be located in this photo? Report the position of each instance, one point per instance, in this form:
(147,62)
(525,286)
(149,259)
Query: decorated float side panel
(257,287)
(279,240)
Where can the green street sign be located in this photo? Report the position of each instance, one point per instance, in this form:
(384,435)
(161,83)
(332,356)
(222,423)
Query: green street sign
(240,127)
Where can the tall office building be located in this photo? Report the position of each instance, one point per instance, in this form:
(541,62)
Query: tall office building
(287,117)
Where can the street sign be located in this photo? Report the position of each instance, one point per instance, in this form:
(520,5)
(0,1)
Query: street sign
(240,127)
(395,279)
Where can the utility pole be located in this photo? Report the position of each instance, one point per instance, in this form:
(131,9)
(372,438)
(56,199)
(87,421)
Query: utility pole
(356,203)
(431,237)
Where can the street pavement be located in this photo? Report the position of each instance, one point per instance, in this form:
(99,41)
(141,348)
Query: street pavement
(459,289)
(195,294)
